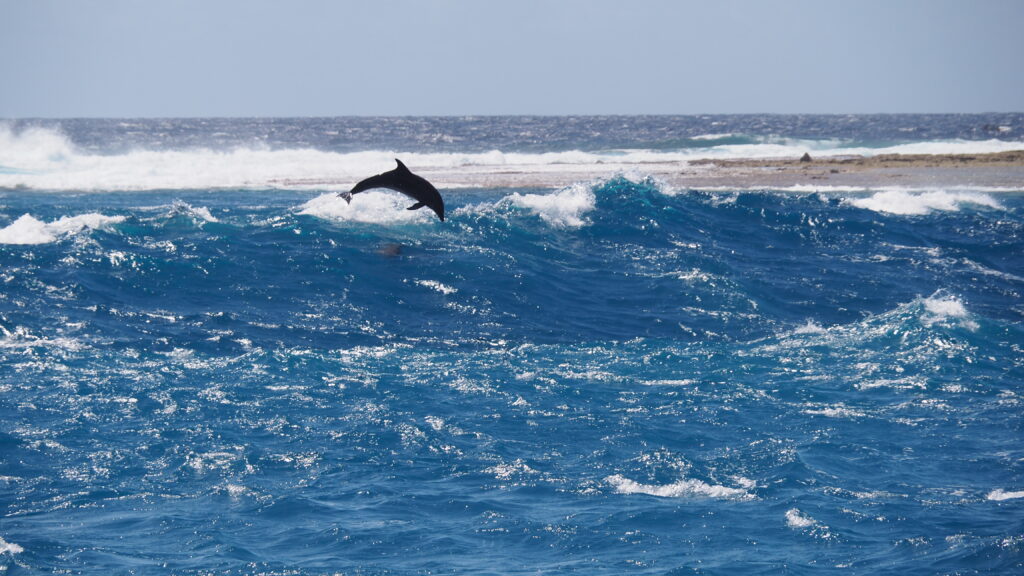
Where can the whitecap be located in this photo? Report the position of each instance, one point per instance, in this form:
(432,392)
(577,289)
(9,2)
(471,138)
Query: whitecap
(562,209)
(797,519)
(200,214)
(837,411)
(29,230)
(32,149)
(369,208)
(999,495)
(236,490)
(21,338)
(943,308)
(811,327)
(26,230)
(722,136)
(9,548)
(505,471)
(684,488)
(435,422)
(437,286)
(906,203)
(46,159)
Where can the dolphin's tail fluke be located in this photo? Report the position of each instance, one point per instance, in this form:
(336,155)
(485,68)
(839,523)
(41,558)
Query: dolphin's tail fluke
(347,196)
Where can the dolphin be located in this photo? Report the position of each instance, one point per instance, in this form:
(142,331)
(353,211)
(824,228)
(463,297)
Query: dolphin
(402,180)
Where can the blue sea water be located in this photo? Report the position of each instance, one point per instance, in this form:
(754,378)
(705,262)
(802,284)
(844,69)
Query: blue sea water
(205,369)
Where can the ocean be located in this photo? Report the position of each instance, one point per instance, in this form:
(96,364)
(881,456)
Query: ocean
(211,364)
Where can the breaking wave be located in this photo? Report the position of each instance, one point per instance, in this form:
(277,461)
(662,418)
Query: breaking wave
(39,158)
(29,230)
(917,203)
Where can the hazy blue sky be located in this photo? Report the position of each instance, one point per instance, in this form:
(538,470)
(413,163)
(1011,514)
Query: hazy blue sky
(124,58)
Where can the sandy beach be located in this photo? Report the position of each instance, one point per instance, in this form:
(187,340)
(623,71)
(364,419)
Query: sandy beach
(1003,170)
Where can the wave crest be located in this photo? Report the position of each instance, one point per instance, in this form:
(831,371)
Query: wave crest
(29,230)
(687,487)
(46,159)
(907,203)
(368,208)
(564,209)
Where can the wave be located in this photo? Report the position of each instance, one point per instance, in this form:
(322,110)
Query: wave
(907,203)
(46,159)
(632,198)
(946,309)
(563,209)
(684,488)
(998,495)
(879,351)
(797,519)
(199,214)
(940,310)
(373,207)
(10,548)
(29,230)
(19,337)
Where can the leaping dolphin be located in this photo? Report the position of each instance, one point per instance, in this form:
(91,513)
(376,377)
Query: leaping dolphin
(402,180)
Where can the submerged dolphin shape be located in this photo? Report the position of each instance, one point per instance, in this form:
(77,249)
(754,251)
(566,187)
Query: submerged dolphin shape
(402,180)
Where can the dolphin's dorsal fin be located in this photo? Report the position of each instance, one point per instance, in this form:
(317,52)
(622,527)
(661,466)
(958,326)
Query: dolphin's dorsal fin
(401,167)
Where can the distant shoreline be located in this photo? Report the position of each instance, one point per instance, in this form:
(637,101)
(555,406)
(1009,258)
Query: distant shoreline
(1000,170)
(1009,158)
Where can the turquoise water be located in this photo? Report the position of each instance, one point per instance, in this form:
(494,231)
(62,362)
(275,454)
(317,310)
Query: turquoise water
(611,378)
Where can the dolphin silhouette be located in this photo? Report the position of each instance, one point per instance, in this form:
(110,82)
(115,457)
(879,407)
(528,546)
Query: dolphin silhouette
(402,180)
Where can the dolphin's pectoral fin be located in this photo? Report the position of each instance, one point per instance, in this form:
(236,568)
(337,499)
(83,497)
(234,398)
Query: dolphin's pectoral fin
(347,196)
(416,206)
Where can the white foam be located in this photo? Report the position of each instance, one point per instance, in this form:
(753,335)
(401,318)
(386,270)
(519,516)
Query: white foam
(505,471)
(26,230)
(941,308)
(838,411)
(9,548)
(681,489)
(236,490)
(29,230)
(21,338)
(797,519)
(200,213)
(991,146)
(999,495)
(437,286)
(45,159)
(811,327)
(33,148)
(374,207)
(908,203)
(563,209)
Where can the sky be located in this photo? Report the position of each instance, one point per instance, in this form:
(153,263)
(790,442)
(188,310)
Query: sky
(191,58)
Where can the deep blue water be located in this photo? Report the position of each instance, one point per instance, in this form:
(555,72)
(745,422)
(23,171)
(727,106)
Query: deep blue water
(612,378)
